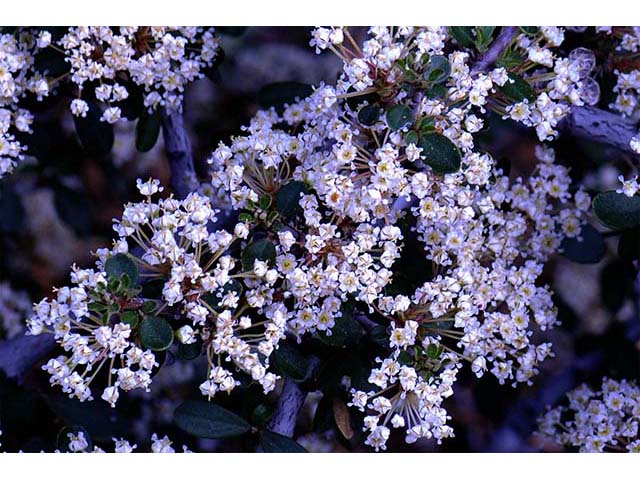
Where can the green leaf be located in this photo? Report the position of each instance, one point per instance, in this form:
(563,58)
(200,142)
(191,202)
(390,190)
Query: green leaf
(95,135)
(440,153)
(465,36)
(259,250)
(616,210)
(529,30)
(590,250)
(208,420)
(398,116)
(370,114)
(484,37)
(288,199)
(518,90)
(288,361)
(156,334)
(438,69)
(147,131)
(130,317)
(270,442)
(264,202)
(411,137)
(120,264)
(280,93)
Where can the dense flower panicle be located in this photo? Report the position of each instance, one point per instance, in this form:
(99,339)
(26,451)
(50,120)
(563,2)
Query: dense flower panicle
(325,197)
(486,236)
(596,421)
(105,65)
(161,60)
(559,82)
(17,80)
(199,283)
(15,306)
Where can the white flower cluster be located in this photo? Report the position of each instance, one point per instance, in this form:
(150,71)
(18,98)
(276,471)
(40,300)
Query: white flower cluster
(93,339)
(596,421)
(17,79)
(199,282)
(78,443)
(627,88)
(15,306)
(485,235)
(161,60)
(104,64)
(565,82)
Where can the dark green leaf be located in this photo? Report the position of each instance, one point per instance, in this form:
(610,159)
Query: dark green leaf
(156,333)
(438,69)
(484,37)
(270,442)
(278,94)
(370,114)
(411,137)
(398,116)
(288,361)
(147,131)
(440,153)
(120,264)
(208,420)
(288,198)
(616,210)
(465,36)
(590,250)
(130,317)
(517,89)
(259,250)
(529,30)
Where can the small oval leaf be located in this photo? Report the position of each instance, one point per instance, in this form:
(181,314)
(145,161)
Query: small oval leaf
(208,420)
(259,250)
(288,199)
(398,116)
(616,210)
(155,333)
(120,264)
(147,131)
(440,153)
(270,442)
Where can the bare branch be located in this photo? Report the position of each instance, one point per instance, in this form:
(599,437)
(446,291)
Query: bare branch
(178,148)
(596,125)
(289,404)
(499,45)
